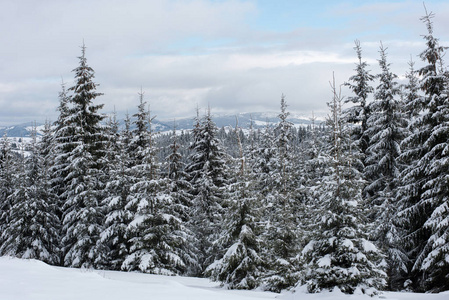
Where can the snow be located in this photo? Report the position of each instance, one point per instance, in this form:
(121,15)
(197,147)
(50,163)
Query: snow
(308,247)
(369,247)
(35,280)
(324,262)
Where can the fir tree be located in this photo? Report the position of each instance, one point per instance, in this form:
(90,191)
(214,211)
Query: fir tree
(340,255)
(180,207)
(434,259)
(83,213)
(117,195)
(359,113)
(264,164)
(154,232)
(33,226)
(7,171)
(241,265)
(62,133)
(423,187)
(281,232)
(207,175)
(386,130)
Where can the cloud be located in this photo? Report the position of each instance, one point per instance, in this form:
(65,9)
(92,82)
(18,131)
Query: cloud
(184,53)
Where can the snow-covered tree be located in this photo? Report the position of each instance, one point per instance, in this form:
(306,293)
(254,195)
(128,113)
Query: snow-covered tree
(83,212)
(33,226)
(178,188)
(359,113)
(264,162)
(406,192)
(117,195)
(241,265)
(62,132)
(386,129)
(7,171)
(281,206)
(207,173)
(155,232)
(434,259)
(423,191)
(340,255)
(412,98)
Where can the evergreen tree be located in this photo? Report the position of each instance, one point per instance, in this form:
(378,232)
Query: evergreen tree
(83,213)
(282,207)
(413,101)
(241,265)
(264,164)
(312,168)
(117,195)
(142,203)
(7,171)
(180,207)
(154,233)
(406,193)
(386,130)
(62,133)
(340,255)
(207,175)
(33,226)
(359,113)
(434,259)
(423,188)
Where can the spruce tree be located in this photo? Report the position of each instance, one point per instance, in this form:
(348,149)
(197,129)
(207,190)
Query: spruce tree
(62,132)
(423,188)
(33,226)
(406,193)
(281,232)
(264,164)
(83,212)
(339,255)
(359,113)
(241,265)
(117,195)
(386,131)
(434,259)
(208,177)
(155,232)
(7,171)
(178,188)
(143,199)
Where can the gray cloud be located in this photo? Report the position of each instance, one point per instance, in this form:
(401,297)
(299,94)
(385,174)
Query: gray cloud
(184,53)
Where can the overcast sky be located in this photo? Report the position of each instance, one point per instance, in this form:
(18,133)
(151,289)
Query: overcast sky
(236,56)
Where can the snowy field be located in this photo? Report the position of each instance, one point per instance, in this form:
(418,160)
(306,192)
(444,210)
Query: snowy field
(32,279)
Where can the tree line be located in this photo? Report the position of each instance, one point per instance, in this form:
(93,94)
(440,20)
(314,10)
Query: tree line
(358,204)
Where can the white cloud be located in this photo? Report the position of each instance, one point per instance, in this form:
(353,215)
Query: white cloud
(184,53)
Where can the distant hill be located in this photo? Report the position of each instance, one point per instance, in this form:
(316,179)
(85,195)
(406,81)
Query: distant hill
(258,120)
(21,130)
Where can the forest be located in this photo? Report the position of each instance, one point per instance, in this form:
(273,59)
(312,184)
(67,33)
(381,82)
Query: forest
(360,203)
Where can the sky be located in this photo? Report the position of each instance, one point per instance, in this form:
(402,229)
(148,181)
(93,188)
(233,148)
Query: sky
(234,56)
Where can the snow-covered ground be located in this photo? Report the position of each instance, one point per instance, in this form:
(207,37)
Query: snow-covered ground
(32,279)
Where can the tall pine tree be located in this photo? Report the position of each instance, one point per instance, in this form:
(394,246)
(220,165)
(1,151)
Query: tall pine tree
(83,212)
(207,173)
(340,255)
(386,129)
(33,226)
(359,113)
(423,191)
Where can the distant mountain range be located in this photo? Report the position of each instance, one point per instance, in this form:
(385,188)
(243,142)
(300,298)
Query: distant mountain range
(244,120)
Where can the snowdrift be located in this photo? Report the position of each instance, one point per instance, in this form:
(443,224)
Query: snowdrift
(35,280)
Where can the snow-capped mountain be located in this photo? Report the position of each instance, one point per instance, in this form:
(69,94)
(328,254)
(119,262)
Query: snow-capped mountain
(225,120)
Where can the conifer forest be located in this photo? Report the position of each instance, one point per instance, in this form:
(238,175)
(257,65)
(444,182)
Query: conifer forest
(360,202)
